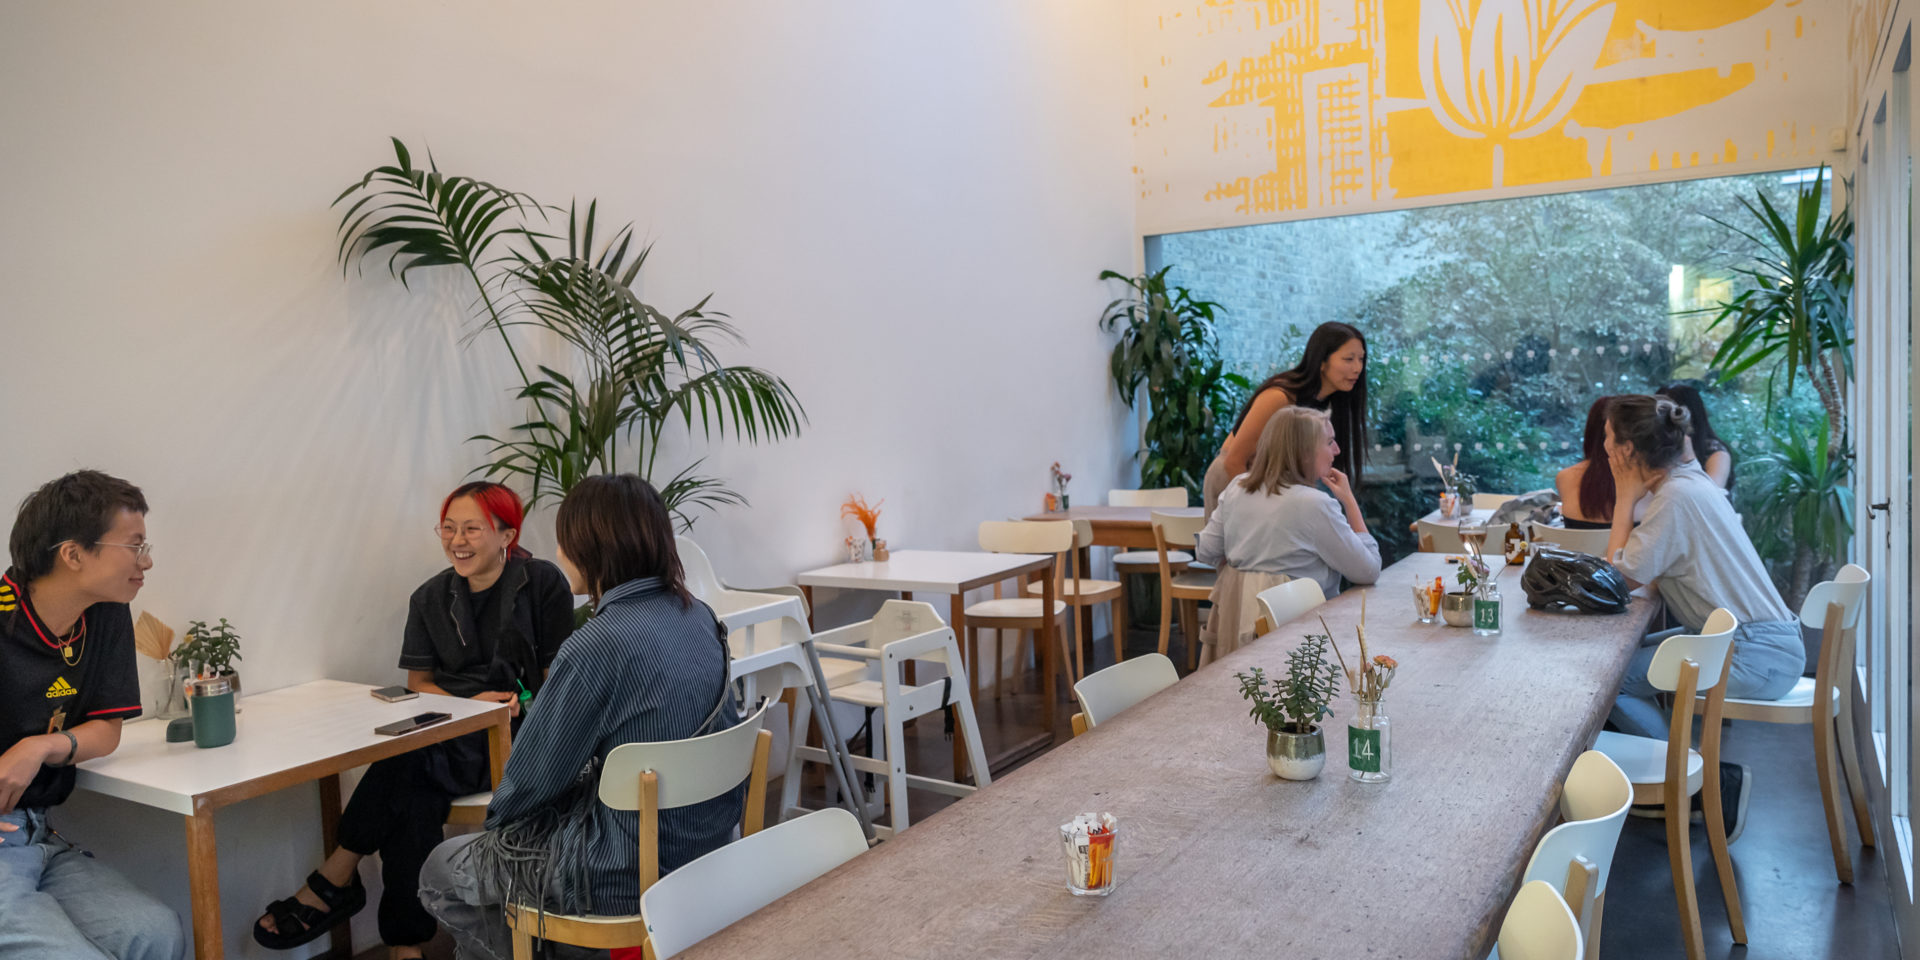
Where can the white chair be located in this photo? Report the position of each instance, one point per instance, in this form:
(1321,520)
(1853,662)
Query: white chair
(1538,926)
(1669,772)
(1072,587)
(1834,606)
(1187,589)
(1107,692)
(706,896)
(902,632)
(648,778)
(1590,542)
(1022,614)
(1283,602)
(1576,856)
(1444,537)
(1127,563)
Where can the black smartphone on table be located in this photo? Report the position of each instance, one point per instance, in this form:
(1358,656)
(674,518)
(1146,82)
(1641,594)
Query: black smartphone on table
(411,724)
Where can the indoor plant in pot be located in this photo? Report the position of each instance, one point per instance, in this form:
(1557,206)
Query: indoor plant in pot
(1457,607)
(210,652)
(1291,708)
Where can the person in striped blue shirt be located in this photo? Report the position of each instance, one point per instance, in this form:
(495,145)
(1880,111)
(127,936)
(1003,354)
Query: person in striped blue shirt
(650,665)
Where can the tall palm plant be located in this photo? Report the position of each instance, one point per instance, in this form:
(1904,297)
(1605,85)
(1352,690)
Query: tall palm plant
(1795,312)
(639,368)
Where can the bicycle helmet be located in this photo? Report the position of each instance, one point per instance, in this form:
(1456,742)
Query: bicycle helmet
(1563,578)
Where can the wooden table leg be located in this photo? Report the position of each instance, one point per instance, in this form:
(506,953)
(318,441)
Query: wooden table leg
(499,742)
(203,885)
(1047,643)
(342,935)
(807,592)
(957,619)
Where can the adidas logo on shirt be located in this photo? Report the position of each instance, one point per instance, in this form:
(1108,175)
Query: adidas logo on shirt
(9,602)
(60,688)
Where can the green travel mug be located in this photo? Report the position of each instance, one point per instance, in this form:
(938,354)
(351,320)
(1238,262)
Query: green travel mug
(212,706)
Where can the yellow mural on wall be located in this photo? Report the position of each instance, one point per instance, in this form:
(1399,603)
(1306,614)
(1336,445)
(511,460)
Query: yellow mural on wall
(1258,109)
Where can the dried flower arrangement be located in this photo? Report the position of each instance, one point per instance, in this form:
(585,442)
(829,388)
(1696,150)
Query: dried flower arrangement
(859,509)
(1370,681)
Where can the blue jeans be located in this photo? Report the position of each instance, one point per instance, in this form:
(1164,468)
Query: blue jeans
(58,903)
(1767,661)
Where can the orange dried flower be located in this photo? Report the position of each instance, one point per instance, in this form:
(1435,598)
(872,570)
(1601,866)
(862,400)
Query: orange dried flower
(868,514)
(1386,661)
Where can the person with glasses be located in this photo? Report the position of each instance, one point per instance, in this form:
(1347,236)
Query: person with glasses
(487,628)
(68,681)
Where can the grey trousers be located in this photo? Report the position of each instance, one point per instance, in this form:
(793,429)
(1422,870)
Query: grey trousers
(470,910)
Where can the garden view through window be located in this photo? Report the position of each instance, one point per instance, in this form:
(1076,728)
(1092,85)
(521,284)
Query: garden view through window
(1492,327)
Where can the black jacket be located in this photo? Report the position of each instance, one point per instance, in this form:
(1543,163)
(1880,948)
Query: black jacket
(533,615)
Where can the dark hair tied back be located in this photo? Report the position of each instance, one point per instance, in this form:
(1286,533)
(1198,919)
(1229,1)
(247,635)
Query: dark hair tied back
(1654,427)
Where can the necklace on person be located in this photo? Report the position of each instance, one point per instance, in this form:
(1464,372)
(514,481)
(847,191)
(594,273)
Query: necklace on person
(71,646)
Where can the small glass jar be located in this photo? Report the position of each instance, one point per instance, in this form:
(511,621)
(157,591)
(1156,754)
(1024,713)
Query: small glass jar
(1369,743)
(1486,611)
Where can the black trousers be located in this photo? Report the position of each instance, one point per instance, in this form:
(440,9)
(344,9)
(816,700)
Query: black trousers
(397,811)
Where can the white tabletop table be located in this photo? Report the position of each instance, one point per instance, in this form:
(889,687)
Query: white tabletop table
(953,572)
(310,732)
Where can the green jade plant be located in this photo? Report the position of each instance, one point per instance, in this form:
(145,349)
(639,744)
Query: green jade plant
(1296,703)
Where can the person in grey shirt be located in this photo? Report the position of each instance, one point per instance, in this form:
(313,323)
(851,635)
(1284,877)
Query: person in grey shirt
(1274,523)
(1691,547)
(651,665)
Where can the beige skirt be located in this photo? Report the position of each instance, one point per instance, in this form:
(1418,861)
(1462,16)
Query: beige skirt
(1236,608)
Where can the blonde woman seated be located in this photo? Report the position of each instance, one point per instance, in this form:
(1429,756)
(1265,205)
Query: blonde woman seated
(1274,523)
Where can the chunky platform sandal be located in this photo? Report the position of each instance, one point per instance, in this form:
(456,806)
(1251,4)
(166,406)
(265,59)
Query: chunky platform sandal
(296,923)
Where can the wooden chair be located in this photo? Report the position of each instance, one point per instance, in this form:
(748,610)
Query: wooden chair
(706,896)
(1128,563)
(1070,586)
(1670,772)
(1576,856)
(1107,692)
(1020,614)
(648,778)
(1538,926)
(1824,702)
(1590,542)
(1187,589)
(902,632)
(1283,602)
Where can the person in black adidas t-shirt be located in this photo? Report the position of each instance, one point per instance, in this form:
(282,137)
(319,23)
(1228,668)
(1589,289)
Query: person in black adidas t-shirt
(67,681)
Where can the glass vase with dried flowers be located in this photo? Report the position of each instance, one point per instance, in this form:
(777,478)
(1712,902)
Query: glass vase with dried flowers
(1060,480)
(868,514)
(1369,732)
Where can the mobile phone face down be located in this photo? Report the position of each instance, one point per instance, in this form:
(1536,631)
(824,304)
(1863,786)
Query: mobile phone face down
(393,694)
(411,724)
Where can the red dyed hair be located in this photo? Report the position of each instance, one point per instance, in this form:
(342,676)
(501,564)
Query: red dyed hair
(498,503)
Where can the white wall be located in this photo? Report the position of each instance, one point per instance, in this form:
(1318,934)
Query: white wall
(904,206)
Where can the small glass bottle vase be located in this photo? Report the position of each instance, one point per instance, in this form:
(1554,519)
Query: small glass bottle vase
(1369,743)
(1486,611)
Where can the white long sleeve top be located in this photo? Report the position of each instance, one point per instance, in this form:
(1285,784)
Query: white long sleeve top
(1300,531)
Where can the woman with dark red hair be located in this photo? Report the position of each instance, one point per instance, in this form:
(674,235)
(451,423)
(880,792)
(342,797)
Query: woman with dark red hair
(487,628)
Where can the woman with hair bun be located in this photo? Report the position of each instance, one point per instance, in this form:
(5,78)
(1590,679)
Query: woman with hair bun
(1691,546)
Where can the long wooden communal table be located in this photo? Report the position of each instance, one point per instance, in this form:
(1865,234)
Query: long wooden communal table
(1218,858)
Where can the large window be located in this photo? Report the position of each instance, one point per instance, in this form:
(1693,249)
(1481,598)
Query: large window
(1493,326)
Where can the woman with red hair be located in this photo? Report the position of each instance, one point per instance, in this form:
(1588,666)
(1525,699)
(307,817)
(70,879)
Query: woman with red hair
(487,628)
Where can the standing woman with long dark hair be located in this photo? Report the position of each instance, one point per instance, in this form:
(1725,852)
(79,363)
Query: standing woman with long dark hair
(1331,376)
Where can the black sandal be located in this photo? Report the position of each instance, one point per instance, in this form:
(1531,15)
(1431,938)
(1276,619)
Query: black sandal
(295,923)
